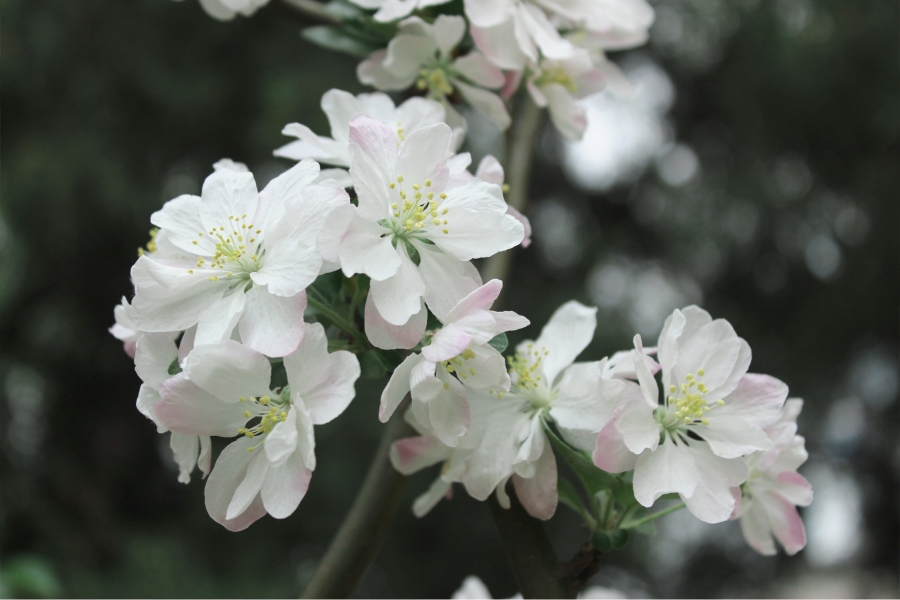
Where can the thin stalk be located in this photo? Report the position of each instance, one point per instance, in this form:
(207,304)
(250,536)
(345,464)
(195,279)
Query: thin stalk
(653,517)
(315,299)
(366,525)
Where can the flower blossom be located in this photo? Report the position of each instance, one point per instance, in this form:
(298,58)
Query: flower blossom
(713,413)
(155,353)
(473,588)
(225,391)
(340,106)
(507,438)
(391,10)
(422,54)
(514,33)
(460,347)
(240,259)
(774,488)
(226,10)
(124,328)
(411,234)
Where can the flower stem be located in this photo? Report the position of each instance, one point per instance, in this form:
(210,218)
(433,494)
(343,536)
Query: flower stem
(653,517)
(315,299)
(366,525)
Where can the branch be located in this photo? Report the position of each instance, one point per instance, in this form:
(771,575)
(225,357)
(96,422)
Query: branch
(367,524)
(313,9)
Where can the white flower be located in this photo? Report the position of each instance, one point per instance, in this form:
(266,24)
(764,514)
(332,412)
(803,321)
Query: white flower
(225,387)
(774,488)
(245,259)
(226,10)
(340,106)
(155,354)
(391,10)
(422,53)
(473,588)
(507,438)
(458,348)
(124,328)
(713,413)
(559,84)
(513,33)
(406,214)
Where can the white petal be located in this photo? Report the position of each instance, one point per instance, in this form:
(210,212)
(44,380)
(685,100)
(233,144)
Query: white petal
(566,334)
(448,32)
(187,409)
(756,529)
(668,469)
(272,324)
(585,400)
(373,152)
(289,266)
(285,486)
(411,455)
(229,472)
(154,354)
(180,218)
(487,102)
(397,388)
(397,298)
(217,322)
(713,500)
(248,489)
(447,279)
(174,308)
(478,69)
(225,194)
(186,449)
(228,370)
(272,199)
(424,503)
(363,250)
(147,400)
(387,336)
(423,156)
(538,494)
(281,442)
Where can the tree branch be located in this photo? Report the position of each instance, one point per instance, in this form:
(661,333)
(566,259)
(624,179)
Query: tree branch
(367,524)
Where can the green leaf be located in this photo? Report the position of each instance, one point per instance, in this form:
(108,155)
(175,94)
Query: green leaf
(593,479)
(339,40)
(433,322)
(624,494)
(174,368)
(375,363)
(499,342)
(29,576)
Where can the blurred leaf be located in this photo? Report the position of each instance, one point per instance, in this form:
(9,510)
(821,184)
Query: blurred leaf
(29,576)
(499,342)
(339,40)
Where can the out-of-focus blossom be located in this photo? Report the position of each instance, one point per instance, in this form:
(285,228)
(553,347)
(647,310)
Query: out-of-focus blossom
(247,258)
(226,10)
(473,588)
(225,387)
(712,414)
(124,329)
(774,488)
(422,54)
(391,10)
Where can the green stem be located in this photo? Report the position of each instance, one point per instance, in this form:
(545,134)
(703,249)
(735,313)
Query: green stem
(367,524)
(315,299)
(653,517)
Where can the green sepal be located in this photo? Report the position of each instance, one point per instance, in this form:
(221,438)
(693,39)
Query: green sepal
(592,478)
(433,323)
(619,538)
(174,368)
(499,342)
(338,40)
(602,541)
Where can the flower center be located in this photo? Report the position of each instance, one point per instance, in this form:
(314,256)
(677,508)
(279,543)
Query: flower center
(525,371)
(418,209)
(436,80)
(269,411)
(238,249)
(457,365)
(686,405)
(556,75)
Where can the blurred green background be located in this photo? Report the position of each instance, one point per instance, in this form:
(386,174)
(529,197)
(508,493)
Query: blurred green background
(755,172)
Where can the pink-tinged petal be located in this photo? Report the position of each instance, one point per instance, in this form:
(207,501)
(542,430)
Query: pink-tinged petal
(668,469)
(509,321)
(272,324)
(756,529)
(713,501)
(230,470)
(228,370)
(567,115)
(285,486)
(738,496)
(185,449)
(387,336)
(448,409)
(794,488)
(730,436)
(424,503)
(490,170)
(610,452)
(480,299)
(634,420)
(788,458)
(477,68)
(494,42)
(398,297)
(566,334)
(448,342)
(526,225)
(290,266)
(758,400)
(363,250)
(584,399)
(717,350)
(538,494)
(180,218)
(248,489)
(397,387)
(786,523)
(187,409)
(423,156)
(545,35)
(373,152)
(447,279)
(154,353)
(511,85)
(218,321)
(411,455)
(147,400)
(323,382)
